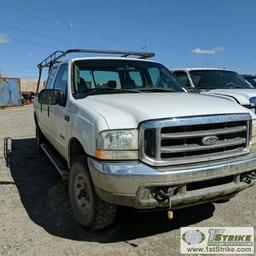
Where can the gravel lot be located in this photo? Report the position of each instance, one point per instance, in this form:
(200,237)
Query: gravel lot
(36,219)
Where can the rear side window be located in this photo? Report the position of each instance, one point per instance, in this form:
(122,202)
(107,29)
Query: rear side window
(90,79)
(136,77)
(155,76)
(62,78)
(161,78)
(50,79)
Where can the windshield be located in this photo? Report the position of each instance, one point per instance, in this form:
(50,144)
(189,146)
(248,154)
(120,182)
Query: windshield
(218,79)
(121,76)
(251,80)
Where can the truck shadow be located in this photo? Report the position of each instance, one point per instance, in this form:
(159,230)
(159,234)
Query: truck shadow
(45,198)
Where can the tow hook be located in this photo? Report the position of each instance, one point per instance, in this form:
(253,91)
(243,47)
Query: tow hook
(248,177)
(161,196)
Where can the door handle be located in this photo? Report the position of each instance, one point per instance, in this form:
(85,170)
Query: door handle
(48,111)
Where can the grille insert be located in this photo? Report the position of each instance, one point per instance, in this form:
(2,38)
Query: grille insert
(179,141)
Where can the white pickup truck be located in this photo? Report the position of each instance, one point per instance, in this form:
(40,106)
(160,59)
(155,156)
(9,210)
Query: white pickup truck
(126,133)
(220,82)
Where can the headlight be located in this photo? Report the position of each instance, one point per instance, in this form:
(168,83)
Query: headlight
(117,144)
(253,101)
(253,141)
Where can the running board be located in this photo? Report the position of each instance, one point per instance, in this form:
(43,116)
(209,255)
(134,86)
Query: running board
(55,161)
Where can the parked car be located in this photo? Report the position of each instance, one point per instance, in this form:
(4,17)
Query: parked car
(251,79)
(124,132)
(220,82)
(27,97)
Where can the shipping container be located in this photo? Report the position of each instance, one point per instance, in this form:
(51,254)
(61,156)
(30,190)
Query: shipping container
(10,94)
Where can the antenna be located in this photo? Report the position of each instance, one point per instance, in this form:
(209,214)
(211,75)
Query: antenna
(145,45)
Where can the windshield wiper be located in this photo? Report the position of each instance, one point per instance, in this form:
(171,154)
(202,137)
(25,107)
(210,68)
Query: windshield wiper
(233,85)
(107,90)
(156,90)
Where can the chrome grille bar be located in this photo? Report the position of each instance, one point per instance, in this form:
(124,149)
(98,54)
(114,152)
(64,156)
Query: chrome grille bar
(196,147)
(200,133)
(180,140)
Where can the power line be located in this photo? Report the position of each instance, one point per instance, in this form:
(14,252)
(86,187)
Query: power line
(31,43)
(8,61)
(25,13)
(39,34)
(66,27)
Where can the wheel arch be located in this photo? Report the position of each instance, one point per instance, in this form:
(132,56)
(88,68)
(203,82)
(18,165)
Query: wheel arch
(75,149)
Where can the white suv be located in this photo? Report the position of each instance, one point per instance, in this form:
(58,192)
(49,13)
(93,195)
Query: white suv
(126,133)
(220,82)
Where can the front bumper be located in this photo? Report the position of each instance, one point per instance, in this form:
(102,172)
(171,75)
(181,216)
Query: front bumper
(133,183)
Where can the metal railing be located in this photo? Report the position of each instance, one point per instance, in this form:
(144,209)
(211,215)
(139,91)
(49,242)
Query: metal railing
(57,55)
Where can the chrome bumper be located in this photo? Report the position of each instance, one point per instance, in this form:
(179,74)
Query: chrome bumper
(131,183)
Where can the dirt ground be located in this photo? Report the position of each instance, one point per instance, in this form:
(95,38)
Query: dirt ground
(36,219)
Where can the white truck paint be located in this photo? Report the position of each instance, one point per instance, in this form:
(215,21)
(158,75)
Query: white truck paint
(74,126)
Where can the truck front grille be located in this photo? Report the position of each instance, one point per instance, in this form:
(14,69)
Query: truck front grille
(194,139)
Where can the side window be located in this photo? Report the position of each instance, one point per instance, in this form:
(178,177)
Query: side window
(182,78)
(62,78)
(154,74)
(159,77)
(86,80)
(97,79)
(106,79)
(136,77)
(50,79)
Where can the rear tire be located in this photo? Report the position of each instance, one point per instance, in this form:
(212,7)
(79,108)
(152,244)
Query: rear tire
(90,211)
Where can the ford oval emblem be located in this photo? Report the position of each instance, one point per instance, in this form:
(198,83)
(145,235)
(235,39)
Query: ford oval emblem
(210,140)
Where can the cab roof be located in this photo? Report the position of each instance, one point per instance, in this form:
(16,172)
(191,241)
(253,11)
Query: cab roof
(194,69)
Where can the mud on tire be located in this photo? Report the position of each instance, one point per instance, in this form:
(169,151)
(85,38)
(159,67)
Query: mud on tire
(90,211)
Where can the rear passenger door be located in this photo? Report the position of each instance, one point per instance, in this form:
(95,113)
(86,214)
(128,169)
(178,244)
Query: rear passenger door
(44,108)
(58,123)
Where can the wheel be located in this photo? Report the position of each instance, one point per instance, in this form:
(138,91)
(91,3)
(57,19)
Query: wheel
(39,139)
(90,211)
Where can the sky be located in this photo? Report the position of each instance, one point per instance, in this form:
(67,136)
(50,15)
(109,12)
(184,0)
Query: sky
(182,33)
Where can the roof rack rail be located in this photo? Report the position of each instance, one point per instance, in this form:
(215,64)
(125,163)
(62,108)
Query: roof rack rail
(54,57)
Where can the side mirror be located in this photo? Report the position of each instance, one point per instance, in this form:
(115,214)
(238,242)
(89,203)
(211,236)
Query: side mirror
(52,97)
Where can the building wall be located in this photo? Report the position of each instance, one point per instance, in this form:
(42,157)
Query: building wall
(27,85)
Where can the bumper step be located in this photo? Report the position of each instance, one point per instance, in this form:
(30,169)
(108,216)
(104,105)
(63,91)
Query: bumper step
(63,171)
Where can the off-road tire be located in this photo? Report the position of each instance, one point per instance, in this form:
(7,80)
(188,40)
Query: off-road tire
(99,214)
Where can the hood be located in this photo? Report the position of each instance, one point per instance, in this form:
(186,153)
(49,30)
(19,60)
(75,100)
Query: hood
(129,109)
(241,95)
